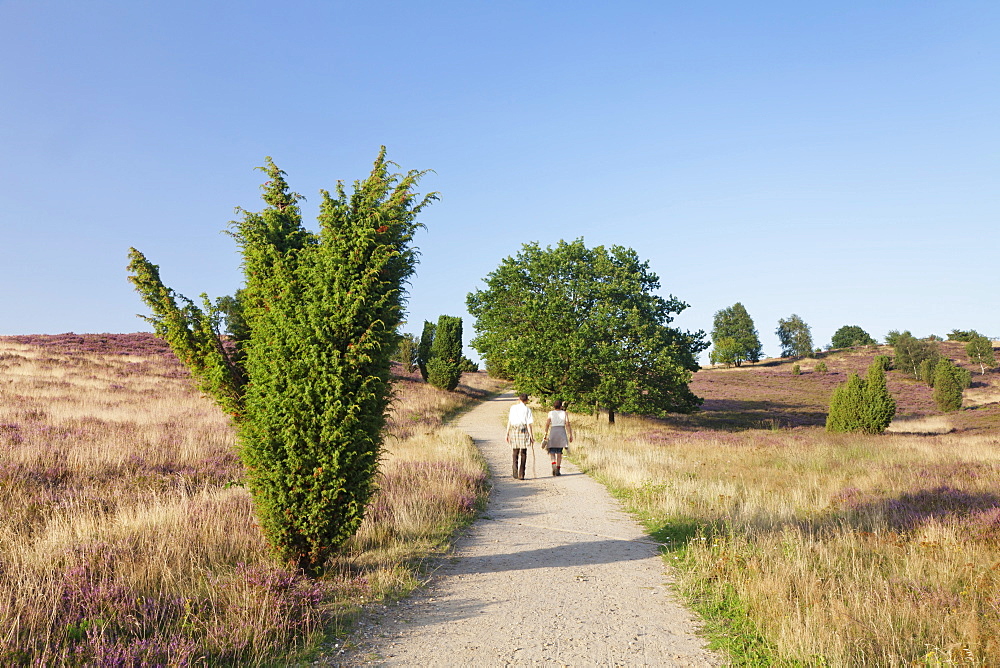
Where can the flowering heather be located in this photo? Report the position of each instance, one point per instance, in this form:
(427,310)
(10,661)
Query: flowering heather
(822,549)
(128,539)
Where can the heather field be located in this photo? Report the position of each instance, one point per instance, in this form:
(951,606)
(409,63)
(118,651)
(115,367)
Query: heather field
(129,540)
(807,548)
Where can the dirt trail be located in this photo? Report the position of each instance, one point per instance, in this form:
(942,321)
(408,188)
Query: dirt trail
(554,573)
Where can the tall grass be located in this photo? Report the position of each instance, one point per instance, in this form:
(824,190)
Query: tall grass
(808,548)
(126,537)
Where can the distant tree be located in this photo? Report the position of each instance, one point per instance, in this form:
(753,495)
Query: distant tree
(948,386)
(910,352)
(883,361)
(586,325)
(850,336)
(795,337)
(424,348)
(734,337)
(980,351)
(308,385)
(467,365)
(862,405)
(444,368)
(894,335)
(406,352)
(963,335)
(927,367)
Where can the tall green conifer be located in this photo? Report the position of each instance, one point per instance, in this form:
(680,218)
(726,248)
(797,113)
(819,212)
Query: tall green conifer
(444,368)
(319,314)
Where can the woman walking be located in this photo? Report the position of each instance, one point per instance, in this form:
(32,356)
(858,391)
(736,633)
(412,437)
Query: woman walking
(559,434)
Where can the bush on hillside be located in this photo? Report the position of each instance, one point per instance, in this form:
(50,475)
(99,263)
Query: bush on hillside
(850,336)
(820,367)
(444,368)
(862,405)
(948,385)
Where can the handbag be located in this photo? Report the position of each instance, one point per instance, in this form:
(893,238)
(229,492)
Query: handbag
(545,443)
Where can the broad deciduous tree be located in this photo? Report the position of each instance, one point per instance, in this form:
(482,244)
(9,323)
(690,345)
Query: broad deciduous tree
(849,336)
(586,325)
(794,336)
(734,337)
(307,377)
(980,351)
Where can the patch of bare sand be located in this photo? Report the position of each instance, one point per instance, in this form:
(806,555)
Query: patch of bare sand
(554,573)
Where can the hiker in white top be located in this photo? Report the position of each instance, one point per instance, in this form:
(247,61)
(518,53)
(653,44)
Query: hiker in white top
(520,434)
(558,435)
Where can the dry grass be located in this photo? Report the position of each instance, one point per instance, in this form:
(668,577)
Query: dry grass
(128,540)
(809,548)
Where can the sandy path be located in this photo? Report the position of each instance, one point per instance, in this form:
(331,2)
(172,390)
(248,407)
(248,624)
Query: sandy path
(553,574)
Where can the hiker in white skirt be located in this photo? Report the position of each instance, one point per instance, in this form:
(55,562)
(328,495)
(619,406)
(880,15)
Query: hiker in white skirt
(558,435)
(520,434)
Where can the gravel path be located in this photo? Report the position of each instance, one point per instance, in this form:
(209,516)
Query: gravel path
(554,573)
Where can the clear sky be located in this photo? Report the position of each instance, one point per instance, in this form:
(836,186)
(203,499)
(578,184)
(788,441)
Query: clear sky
(839,161)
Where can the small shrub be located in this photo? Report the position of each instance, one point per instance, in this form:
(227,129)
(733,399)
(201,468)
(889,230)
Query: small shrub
(796,370)
(820,368)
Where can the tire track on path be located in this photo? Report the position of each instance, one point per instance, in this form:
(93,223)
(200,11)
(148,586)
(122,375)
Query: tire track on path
(553,573)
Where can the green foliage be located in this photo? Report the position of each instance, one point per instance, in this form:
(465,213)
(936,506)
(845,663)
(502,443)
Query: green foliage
(980,351)
(862,405)
(911,351)
(586,325)
(963,335)
(796,370)
(927,370)
(884,361)
(444,368)
(948,385)
(880,407)
(794,336)
(893,336)
(734,337)
(406,352)
(424,348)
(820,367)
(467,366)
(850,336)
(308,382)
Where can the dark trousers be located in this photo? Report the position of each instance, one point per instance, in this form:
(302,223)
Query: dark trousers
(520,459)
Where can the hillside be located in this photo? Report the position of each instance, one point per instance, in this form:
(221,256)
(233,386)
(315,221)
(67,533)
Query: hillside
(768,395)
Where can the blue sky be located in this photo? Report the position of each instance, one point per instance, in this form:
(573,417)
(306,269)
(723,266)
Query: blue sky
(839,161)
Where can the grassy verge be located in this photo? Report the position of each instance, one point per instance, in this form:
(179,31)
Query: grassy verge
(805,548)
(127,538)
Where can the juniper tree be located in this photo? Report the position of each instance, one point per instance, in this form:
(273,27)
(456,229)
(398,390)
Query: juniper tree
(444,368)
(862,405)
(948,386)
(307,375)
(406,352)
(424,348)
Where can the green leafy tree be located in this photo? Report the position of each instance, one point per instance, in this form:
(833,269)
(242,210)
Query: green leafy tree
(980,351)
(468,366)
(307,376)
(424,348)
(794,336)
(948,385)
(585,325)
(850,336)
(862,405)
(910,352)
(893,336)
(444,368)
(962,335)
(406,352)
(733,328)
